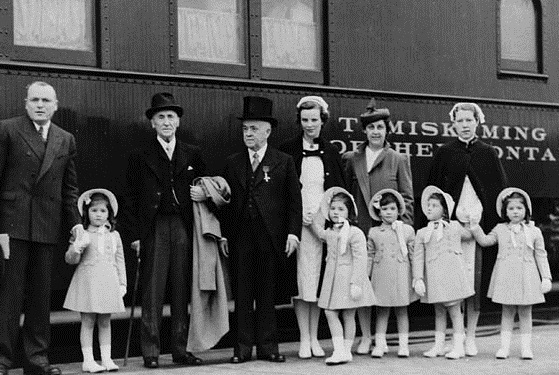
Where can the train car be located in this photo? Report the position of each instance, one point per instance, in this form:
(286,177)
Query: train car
(107,58)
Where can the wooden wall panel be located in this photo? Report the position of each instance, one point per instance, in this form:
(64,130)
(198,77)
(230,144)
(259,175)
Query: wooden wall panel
(431,46)
(139,35)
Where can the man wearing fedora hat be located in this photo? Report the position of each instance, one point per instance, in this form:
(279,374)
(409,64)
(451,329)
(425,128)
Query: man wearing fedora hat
(263,223)
(158,217)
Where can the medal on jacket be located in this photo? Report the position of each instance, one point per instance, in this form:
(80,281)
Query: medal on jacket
(266,169)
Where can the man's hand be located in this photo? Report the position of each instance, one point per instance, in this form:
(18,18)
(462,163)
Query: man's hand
(290,246)
(197,194)
(223,245)
(136,247)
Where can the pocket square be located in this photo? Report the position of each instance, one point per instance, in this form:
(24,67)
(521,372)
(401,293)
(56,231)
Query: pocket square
(190,167)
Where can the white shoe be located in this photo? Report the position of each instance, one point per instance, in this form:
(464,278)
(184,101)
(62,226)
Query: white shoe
(92,366)
(305,350)
(438,349)
(470,347)
(503,351)
(458,347)
(377,352)
(110,365)
(317,350)
(340,353)
(348,343)
(526,346)
(403,348)
(364,345)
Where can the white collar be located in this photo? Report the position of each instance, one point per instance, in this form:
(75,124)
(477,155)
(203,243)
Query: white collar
(309,146)
(371,156)
(171,144)
(102,229)
(45,127)
(260,152)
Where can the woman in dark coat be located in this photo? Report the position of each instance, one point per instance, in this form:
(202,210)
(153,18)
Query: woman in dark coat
(319,167)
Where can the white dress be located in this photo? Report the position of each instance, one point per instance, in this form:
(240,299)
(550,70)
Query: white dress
(309,255)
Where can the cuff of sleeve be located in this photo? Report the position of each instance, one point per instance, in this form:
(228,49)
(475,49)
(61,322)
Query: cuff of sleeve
(293,237)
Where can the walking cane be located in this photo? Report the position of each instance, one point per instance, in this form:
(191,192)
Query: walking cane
(131,322)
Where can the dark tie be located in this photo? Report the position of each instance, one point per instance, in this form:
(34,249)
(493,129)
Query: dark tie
(40,130)
(255,162)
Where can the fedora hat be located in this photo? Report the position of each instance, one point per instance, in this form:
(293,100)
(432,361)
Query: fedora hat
(505,193)
(373,114)
(163,101)
(428,191)
(86,198)
(258,108)
(375,203)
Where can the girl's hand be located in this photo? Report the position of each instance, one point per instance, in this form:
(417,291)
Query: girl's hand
(546,285)
(355,292)
(419,287)
(223,246)
(122,290)
(307,219)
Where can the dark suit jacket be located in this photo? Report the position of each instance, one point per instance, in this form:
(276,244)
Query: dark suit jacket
(35,193)
(144,186)
(278,200)
(333,169)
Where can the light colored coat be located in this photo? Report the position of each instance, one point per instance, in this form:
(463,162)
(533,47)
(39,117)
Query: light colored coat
(518,271)
(345,269)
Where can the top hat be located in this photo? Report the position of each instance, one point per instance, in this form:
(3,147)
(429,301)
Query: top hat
(505,193)
(258,108)
(163,101)
(375,203)
(428,191)
(373,113)
(86,198)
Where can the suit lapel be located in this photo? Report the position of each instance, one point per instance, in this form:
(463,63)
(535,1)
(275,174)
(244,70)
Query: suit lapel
(240,163)
(181,157)
(151,156)
(270,161)
(54,141)
(30,136)
(360,168)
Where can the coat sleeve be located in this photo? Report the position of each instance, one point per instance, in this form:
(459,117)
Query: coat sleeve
(405,187)
(294,200)
(358,248)
(418,263)
(483,239)
(70,190)
(541,255)
(3,148)
(371,251)
(410,241)
(119,258)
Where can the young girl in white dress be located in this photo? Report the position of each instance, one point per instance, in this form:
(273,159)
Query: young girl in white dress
(99,281)
(345,285)
(521,274)
(391,245)
(439,269)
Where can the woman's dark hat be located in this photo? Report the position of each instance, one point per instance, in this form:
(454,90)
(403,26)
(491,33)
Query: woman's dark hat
(374,114)
(163,101)
(257,108)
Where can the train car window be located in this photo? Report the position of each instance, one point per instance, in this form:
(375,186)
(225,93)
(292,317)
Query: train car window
(211,31)
(56,31)
(520,35)
(285,41)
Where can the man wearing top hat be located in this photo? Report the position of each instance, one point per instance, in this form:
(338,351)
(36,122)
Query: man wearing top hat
(158,218)
(263,225)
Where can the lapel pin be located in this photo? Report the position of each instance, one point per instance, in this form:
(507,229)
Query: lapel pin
(266,169)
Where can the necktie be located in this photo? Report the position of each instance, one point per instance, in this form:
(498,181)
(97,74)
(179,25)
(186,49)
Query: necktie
(41,132)
(169,152)
(255,162)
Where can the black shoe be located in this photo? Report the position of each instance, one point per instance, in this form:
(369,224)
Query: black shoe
(151,362)
(187,359)
(274,357)
(44,370)
(236,359)
(3,369)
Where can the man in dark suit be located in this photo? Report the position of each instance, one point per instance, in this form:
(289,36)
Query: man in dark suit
(38,187)
(158,218)
(263,223)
